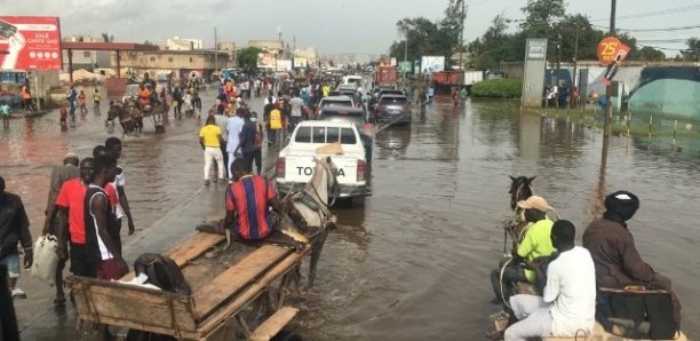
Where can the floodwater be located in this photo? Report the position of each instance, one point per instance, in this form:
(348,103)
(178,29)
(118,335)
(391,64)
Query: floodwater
(412,261)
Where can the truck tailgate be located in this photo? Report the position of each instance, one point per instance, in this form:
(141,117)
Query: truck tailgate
(300,168)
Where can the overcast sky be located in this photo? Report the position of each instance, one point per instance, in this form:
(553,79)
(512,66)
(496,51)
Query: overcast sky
(332,26)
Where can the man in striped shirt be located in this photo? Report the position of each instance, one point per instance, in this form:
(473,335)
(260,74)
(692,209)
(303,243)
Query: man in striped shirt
(248,202)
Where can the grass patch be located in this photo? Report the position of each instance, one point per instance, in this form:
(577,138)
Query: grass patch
(498,88)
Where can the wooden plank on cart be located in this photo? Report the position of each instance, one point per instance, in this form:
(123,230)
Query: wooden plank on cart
(134,307)
(217,292)
(268,329)
(250,292)
(192,248)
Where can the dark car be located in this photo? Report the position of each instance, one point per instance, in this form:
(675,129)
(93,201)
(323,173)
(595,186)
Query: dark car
(394,109)
(381,91)
(341,108)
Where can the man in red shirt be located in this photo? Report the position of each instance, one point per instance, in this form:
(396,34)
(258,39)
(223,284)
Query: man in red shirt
(71,210)
(248,202)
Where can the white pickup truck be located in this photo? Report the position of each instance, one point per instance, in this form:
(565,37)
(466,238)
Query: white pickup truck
(295,164)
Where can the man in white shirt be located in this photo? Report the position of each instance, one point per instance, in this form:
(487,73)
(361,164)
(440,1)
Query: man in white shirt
(297,113)
(233,131)
(568,305)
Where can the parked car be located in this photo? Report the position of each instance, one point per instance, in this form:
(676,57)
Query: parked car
(394,109)
(354,115)
(295,164)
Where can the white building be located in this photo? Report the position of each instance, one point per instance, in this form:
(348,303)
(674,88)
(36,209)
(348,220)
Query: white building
(183,44)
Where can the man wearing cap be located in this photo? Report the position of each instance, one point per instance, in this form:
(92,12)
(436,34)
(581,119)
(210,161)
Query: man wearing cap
(617,261)
(535,242)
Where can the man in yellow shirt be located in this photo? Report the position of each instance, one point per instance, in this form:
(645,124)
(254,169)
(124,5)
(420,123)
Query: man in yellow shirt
(534,244)
(275,124)
(210,140)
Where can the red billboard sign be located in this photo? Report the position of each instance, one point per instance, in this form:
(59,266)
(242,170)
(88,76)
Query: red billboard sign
(30,43)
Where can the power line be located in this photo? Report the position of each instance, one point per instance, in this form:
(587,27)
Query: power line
(668,48)
(662,40)
(666,29)
(655,13)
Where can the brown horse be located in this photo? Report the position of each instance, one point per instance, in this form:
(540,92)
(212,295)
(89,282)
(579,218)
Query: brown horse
(520,189)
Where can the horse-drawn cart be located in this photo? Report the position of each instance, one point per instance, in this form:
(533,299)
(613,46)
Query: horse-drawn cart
(237,293)
(130,113)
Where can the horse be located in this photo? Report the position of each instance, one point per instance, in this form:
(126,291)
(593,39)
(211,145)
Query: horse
(520,189)
(309,209)
(121,111)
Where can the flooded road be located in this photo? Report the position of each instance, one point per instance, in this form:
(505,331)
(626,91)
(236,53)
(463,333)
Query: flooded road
(412,262)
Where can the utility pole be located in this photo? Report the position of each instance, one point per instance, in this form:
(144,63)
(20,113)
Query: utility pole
(613,10)
(575,85)
(216,51)
(463,16)
(609,90)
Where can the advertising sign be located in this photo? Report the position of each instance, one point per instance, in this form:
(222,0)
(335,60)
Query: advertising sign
(300,62)
(430,64)
(266,60)
(284,65)
(612,50)
(405,67)
(537,49)
(30,43)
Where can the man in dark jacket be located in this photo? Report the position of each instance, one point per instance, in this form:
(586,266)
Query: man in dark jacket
(14,228)
(617,261)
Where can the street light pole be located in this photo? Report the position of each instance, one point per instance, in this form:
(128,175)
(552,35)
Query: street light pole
(576,82)
(613,9)
(609,90)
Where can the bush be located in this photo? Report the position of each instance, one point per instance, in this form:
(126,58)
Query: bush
(500,88)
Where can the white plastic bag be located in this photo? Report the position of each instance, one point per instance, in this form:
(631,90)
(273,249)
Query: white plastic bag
(45,258)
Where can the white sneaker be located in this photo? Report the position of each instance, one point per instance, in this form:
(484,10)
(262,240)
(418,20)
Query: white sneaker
(18,293)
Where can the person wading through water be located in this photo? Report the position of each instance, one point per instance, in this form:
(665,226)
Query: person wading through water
(114,150)
(234,125)
(14,229)
(59,175)
(210,140)
(102,247)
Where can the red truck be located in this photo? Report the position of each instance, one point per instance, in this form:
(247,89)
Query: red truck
(385,75)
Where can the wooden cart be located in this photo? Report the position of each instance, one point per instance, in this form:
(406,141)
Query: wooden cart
(224,304)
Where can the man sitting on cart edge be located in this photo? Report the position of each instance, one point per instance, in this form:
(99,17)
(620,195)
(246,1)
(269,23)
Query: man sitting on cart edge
(248,202)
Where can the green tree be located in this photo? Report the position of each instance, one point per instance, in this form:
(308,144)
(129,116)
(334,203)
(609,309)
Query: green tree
(248,59)
(693,51)
(425,37)
(540,16)
(496,46)
(566,32)
(422,35)
(650,54)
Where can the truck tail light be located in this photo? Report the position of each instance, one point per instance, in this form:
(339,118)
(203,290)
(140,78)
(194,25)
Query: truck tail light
(280,167)
(361,170)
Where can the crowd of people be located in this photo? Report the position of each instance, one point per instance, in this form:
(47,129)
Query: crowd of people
(85,207)
(568,287)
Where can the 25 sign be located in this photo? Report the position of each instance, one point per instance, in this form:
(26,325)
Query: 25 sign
(611,50)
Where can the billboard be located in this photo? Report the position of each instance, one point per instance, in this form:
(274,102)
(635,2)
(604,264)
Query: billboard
(267,60)
(430,64)
(30,43)
(300,62)
(284,65)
